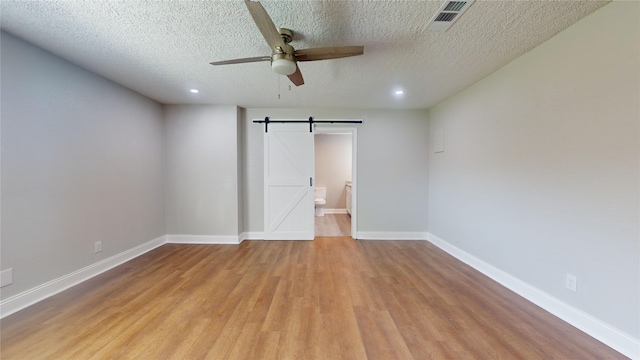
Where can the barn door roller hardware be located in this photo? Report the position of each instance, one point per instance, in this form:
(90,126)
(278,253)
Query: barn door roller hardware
(266,122)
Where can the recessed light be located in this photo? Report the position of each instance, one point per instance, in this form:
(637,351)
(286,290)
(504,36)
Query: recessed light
(399,92)
(194,91)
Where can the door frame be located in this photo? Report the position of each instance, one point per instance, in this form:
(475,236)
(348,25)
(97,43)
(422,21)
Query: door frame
(342,129)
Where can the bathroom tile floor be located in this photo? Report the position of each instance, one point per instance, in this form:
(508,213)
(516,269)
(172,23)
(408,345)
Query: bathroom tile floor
(333,225)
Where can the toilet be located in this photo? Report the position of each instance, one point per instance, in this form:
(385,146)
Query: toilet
(320,195)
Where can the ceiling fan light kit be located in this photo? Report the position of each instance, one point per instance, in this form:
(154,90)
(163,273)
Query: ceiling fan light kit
(284,57)
(283,64)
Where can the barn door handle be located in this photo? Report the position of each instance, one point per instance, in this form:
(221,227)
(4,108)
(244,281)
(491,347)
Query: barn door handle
(310,181)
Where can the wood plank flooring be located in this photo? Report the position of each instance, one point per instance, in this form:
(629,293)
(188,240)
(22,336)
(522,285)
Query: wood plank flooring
(333,225)
(332,298)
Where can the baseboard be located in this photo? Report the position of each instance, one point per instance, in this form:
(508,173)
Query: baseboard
(335,211)
(390,235)
(27,298)
(251,235)
(203,239)
(601,331)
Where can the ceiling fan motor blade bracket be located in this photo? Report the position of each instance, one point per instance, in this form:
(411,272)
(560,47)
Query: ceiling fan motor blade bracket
(285,56)
(285,49)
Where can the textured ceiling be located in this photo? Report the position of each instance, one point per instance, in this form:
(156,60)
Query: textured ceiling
(163,48)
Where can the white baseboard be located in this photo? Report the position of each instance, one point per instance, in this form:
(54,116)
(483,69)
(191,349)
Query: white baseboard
(251,235)
(203,239)
(390,235)
(27,298)
(335,211)
(603,332)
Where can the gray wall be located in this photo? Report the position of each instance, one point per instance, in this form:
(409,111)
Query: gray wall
(540,173)
(333,166)
(392,155)
(202,169)
(82,161)
(239,169)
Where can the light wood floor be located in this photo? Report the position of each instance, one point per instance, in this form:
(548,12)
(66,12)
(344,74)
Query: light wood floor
(332,298)
(333,225)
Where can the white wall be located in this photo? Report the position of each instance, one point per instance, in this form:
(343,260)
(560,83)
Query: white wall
(202,170)
(540,173)
(333,166)
(392,166)
(82,161)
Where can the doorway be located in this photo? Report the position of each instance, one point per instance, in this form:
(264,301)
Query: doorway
(335,178)
(289,179)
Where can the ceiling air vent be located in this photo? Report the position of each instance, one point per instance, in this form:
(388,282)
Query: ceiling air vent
(447,15)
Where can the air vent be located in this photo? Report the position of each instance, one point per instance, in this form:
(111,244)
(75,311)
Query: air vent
(447,15)
(454,6)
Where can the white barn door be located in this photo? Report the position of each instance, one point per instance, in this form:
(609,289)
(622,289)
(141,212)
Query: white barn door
(288,188)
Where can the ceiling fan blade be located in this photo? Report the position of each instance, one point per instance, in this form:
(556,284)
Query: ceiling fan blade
(243,60)
(296,77)
(265,24)
(326,53)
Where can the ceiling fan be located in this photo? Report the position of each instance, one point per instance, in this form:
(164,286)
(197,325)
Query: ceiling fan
(284,57)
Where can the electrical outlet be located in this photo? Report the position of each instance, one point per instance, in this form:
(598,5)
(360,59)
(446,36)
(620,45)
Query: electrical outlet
(571,282)
(6,277)
(97,246)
